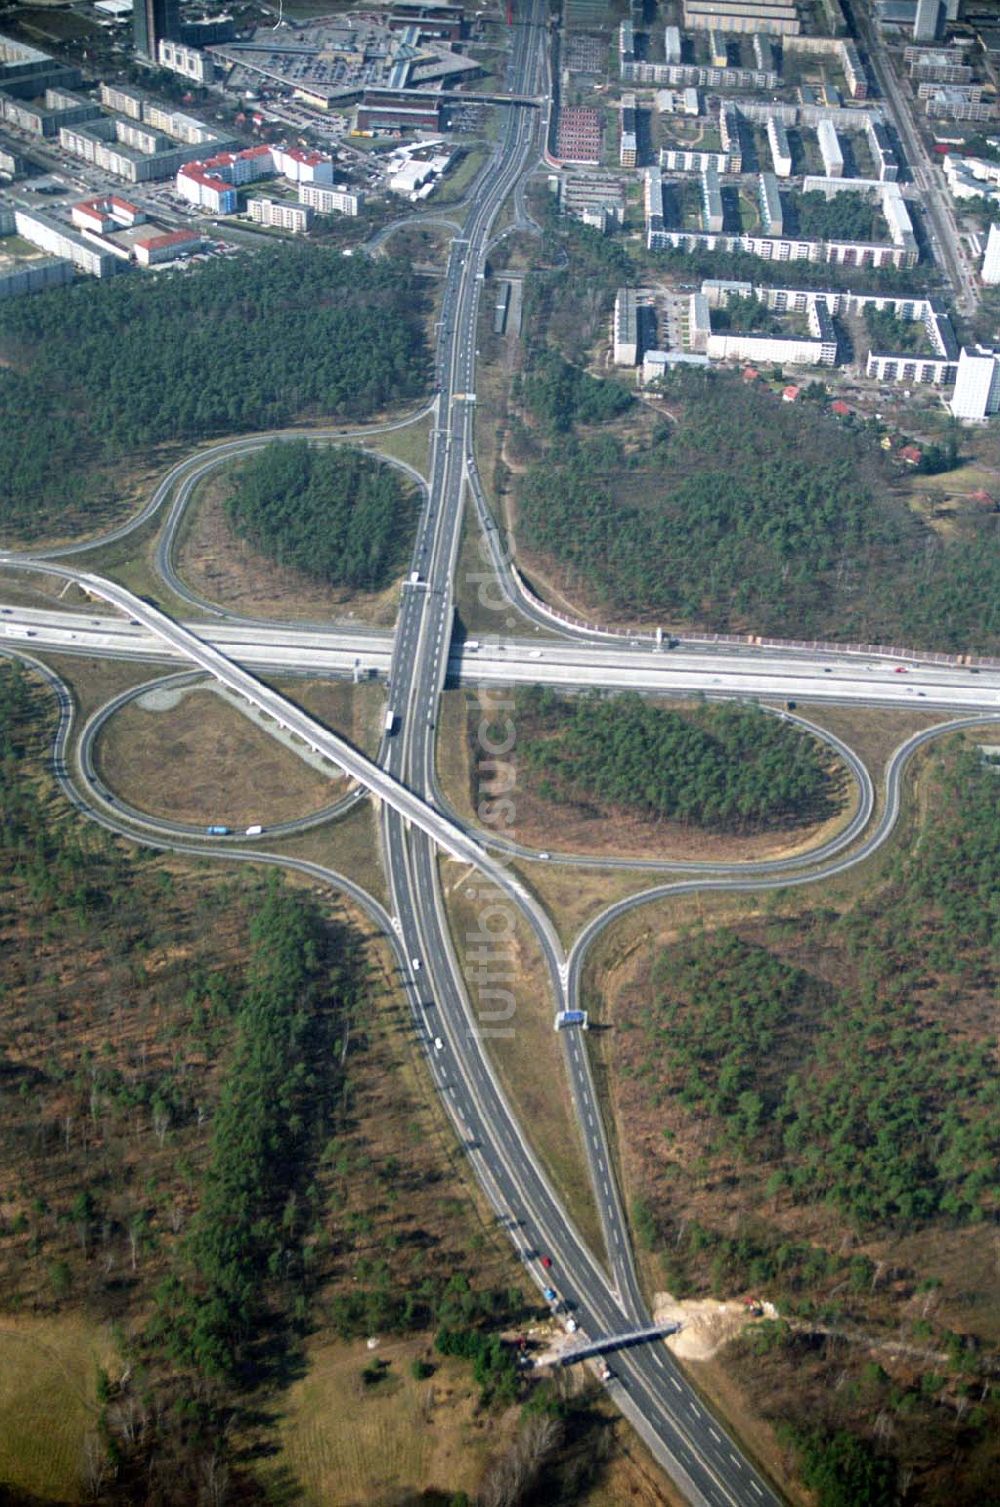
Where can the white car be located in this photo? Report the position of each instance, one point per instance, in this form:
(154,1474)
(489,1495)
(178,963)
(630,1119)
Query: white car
(438,1044)
(415,964)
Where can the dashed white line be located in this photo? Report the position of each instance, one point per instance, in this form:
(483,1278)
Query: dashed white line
(715,1436)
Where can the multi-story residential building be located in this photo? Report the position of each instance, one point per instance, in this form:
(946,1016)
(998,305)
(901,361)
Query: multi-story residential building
(626,42)
(628,144)
(829,149)
(882,151)
(927,21)
(693,160)
(771,212)
(625,328)
(52,235)
(653,198)
(711,201)
(301,166)
(991,257)
(35,276)
(335,200)
(781,152)
(672,44)
(977,383)
(855,74)
(206,189)
(729,134)
(280,214)
(190,62)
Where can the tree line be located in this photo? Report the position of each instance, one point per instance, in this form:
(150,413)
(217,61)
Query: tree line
(335,514)
(726,768)
(750,513)
(861,1095)
(92,373)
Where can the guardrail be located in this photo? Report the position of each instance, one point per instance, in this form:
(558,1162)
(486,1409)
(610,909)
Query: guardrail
(754,640)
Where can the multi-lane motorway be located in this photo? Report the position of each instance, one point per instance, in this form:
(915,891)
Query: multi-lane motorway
(416,824)
(766,675)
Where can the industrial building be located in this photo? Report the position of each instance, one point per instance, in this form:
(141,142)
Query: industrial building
(335,200)
(281,215)
(777,17)
(596,199)
(381,111)
(977,384)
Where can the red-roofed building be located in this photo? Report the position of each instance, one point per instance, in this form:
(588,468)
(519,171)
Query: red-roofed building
(302,167)
(106,213)
(789,394)
(749,374)
(165,246)
(840,408)
(911,454)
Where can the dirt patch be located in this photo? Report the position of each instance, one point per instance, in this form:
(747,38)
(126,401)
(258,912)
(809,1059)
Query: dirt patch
(203,761)
(220,566)
(706,1325)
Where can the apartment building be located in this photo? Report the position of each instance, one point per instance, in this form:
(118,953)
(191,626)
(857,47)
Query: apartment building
(977,384)
(781,152)
(281,215)
(335,200)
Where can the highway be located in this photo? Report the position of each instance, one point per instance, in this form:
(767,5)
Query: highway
(608,664)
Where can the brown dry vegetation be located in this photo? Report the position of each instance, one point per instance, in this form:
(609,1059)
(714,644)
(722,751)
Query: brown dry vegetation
(595,827)
(202,760)
(222,567)
(512,1003)
(891,1329)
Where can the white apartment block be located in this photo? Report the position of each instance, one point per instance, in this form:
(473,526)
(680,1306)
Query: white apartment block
(625,328)
(190,62)
(977,384)
(781,152)
(691,160)
(302,167)
(52,236)
(280,215)
(991,257)
(829,148)
(336,200)
(729,134)
(819,348)
(672,44)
